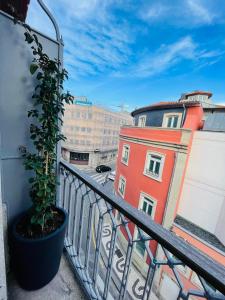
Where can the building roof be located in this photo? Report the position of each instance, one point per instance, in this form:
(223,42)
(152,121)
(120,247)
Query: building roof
(216,107)
(200,232)
(198,93)
(164,105)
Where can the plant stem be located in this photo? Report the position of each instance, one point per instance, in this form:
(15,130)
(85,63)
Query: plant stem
(46,164)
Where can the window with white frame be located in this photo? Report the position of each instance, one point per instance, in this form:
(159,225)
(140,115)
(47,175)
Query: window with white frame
(148,206)
(141,121)
(154,165)
(172,120)
(125,154)
(122,186)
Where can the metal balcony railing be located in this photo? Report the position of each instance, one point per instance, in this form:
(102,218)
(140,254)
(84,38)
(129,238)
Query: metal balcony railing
(118,252)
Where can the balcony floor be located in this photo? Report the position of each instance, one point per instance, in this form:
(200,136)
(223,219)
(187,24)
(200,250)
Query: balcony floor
(62,287)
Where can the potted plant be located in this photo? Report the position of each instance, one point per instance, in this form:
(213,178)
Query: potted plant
(38,234)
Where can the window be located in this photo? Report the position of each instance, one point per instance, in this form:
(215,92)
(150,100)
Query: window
(171,120)
(154,165)
(147,205)
(77,115)
(141,121)
(84,115)
(122,186)
(79,156)
(125,154)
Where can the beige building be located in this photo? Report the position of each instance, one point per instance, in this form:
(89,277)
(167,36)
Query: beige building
(92,133)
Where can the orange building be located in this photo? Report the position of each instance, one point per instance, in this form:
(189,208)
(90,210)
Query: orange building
(152,162)
(155,153)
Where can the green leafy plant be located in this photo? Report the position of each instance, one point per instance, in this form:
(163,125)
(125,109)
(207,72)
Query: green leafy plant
(48,100)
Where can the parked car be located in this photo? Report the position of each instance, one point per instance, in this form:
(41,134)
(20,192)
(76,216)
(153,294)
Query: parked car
(112,175)
(102,168)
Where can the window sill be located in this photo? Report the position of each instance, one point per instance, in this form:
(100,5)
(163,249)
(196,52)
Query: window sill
(125,163)
(122,195)
(159,179)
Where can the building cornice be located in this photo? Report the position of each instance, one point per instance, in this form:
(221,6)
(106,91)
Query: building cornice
(157,128)
(179,147)
(91,150)
(164,105)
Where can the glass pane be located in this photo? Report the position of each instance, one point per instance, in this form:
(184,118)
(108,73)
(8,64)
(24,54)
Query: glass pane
(175,121)
(149,209)
(151,166)
(144,208)
(157,166)
(169,122)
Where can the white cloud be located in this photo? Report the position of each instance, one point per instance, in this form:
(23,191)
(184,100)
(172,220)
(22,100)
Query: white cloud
(200,11)
(94,40)
(98,42)
(187,13)
(170,55)
(156,11)
(165,57)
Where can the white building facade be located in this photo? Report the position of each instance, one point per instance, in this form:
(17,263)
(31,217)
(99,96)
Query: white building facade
(92,134)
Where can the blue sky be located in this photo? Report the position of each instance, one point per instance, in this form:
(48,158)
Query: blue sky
(139,52)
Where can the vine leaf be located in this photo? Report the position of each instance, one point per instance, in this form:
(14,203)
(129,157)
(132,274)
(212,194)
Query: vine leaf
(44,132)
(33,68)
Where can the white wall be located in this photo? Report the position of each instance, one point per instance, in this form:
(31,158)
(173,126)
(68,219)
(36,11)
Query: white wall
(16,88)
(203,196)
(220,228)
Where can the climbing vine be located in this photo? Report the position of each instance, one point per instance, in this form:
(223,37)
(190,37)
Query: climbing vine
(48,107)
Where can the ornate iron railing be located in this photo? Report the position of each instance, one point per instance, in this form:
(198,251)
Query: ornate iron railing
(118,252)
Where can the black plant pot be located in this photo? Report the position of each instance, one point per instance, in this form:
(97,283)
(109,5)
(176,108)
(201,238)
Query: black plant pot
(36,261)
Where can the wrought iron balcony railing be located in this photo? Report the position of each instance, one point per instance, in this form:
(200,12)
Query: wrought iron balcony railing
(117,252)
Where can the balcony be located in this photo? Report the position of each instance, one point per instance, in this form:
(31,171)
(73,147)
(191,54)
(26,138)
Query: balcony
(101,259)
(112,250)
(101,250)
(63,286)
(102,246)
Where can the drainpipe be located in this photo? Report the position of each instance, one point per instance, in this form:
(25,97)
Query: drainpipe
(170,187)
(157,254)
(184,115)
